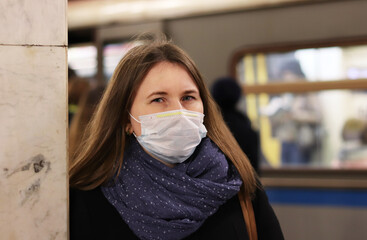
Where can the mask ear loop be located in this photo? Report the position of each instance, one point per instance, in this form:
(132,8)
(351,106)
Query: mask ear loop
(134,118)
(136,121)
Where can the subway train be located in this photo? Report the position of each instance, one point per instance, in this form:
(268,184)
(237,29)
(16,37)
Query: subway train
(302,67)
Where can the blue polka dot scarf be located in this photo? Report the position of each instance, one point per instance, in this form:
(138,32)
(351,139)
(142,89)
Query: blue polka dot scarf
(159,202)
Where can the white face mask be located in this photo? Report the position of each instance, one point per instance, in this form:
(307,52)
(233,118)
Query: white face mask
(171,136)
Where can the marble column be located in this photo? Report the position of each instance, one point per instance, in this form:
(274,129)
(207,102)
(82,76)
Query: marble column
(33,119)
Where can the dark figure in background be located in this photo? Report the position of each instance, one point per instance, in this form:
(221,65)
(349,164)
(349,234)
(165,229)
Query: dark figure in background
(77,87)
(86,107)
(227,92)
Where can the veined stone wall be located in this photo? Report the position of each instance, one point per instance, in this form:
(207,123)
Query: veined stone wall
(33,119)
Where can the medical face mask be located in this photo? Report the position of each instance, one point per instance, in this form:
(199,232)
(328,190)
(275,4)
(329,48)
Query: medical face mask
(171,136)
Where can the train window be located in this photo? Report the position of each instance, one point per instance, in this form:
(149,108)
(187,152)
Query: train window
(309,103)
(309,65)
(318,129)
(83,60)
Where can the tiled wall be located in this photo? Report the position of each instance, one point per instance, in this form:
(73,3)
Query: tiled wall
(33,119)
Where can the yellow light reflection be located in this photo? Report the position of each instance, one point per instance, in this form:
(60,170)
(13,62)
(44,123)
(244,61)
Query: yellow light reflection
(270,146)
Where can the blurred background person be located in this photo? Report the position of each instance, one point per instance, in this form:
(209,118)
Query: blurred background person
(227,93)
(353,153)
(86,108)
(76,88)
(295,119)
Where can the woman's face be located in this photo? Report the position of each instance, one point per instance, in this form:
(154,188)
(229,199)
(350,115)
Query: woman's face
(166,87)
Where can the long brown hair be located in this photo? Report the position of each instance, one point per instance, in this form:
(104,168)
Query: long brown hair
(101,155)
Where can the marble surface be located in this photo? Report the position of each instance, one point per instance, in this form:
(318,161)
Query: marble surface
(41,22)
(33,181)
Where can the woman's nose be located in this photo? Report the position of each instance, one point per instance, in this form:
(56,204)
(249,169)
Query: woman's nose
(175,105)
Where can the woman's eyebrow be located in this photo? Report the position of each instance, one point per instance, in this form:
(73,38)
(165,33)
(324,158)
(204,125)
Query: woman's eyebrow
(190,91)
(156,93)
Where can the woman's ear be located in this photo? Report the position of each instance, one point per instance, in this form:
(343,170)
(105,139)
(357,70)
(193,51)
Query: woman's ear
(129,129)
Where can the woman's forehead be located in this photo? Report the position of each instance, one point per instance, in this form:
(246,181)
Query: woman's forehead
(168,76)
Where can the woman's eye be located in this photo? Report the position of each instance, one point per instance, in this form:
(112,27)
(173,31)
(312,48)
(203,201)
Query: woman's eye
(188,98)
(159,100)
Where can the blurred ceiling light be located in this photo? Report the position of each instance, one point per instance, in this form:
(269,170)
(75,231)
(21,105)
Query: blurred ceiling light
(94,13)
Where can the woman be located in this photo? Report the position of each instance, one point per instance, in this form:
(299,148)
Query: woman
(152,167)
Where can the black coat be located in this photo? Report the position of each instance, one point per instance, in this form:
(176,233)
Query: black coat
(93,217)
